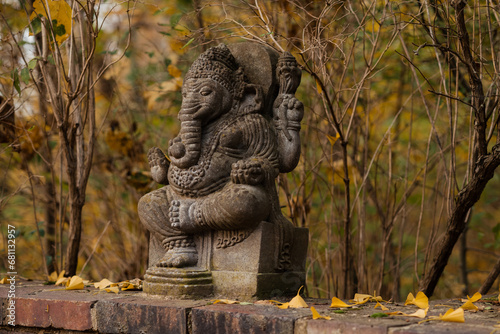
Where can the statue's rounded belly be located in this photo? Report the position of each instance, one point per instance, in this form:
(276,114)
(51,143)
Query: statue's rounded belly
(201,179)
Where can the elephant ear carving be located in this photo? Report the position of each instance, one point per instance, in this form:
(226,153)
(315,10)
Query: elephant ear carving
(259,64)
(253,99)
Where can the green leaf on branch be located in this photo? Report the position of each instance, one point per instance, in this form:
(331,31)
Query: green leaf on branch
(15,78)
(189,42)
(32,63)
(25,75)
(36,25)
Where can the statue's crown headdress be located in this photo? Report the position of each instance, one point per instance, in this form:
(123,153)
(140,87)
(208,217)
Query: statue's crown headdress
(218,64)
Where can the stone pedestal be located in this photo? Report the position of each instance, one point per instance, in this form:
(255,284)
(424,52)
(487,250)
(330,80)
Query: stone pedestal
(178,283)
(232,264)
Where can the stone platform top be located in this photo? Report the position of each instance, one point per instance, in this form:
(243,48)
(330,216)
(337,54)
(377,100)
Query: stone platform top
(40,310)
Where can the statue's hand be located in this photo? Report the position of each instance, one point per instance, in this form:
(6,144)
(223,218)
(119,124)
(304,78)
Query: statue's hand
(158,164)
(295,110)
(247,172)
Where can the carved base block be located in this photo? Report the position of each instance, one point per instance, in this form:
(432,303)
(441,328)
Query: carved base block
(239,265)
(249,286)
(178,283)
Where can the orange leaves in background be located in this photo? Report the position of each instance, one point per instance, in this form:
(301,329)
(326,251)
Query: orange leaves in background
(58,12)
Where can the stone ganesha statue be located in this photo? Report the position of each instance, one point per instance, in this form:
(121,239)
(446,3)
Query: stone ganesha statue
(235,138)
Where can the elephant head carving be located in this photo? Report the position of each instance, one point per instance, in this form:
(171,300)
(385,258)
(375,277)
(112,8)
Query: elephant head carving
(212,85)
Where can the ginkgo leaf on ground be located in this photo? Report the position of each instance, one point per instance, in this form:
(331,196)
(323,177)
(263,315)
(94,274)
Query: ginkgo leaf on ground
(104,283)
(361,298)
(451,316)
(296,302)
(468,305)
(418,314)
(316,315)
(420,300)
(225,301)
(4,281)
(52,277)
(75,283)
(131,286)
(382,307)
(62,280)
(338,303)
(114,289)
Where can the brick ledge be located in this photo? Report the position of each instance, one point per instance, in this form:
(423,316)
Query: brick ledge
(89,311)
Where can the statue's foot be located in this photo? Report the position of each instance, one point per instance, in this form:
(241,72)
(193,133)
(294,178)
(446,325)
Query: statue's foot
(179,257)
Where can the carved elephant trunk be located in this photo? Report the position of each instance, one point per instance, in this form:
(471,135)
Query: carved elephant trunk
(184,150)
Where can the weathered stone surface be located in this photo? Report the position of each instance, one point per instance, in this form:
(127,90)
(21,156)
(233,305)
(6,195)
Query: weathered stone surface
(179,283)
(140,315)
(442,328)
(341,327)
(219,319)
(219,210)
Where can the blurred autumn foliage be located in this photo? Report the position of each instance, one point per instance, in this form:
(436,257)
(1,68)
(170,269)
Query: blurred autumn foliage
(395,129)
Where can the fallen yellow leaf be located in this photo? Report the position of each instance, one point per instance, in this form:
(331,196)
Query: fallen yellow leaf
(104,283)
(382,307)
(130,286)
(62,280)
(52,277)
(470,300)
(297,301)
(114,289)
(420,300)
(225,301)
(418,314)
(316,315)
(75,283)
(4,281)
(338,303)
(451,315)
(361,298)
(284,306)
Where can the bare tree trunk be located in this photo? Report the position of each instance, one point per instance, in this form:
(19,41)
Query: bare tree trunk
(484,171)
(490,279)
(484,167)
(463,262)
